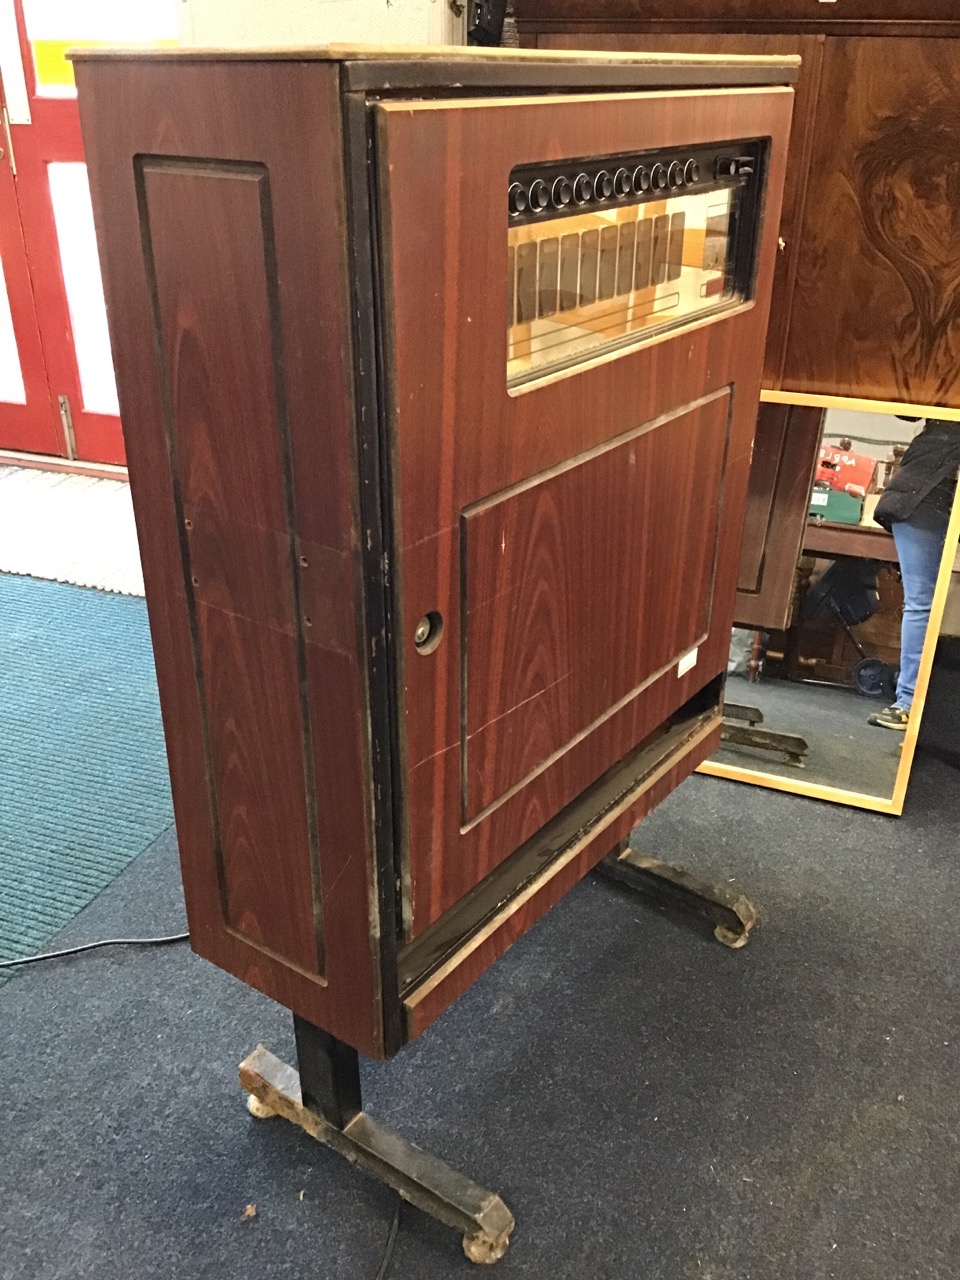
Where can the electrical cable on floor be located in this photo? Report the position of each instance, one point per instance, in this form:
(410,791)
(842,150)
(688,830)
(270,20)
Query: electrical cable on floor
(390,1245)
(90,946)
(165,941)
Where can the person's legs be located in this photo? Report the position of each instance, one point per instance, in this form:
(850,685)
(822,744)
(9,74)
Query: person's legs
(919,547)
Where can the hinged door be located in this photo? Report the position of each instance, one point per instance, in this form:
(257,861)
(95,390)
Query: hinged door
(566,541)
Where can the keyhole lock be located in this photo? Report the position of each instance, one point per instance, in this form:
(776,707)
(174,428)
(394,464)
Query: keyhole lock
(428,632)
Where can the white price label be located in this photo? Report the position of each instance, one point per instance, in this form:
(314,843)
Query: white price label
(687,662)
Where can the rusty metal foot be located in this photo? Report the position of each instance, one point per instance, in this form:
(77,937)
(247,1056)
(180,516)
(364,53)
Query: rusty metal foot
(732,915)
(794,748)
(482,1217)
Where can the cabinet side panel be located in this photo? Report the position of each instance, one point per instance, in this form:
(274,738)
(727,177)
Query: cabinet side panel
(218,194)
(785,454)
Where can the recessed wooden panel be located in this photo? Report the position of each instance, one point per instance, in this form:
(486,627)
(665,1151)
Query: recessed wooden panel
(876,311)
(547,657)
(213,274)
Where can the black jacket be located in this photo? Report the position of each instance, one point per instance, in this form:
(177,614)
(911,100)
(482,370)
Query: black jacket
(927,474)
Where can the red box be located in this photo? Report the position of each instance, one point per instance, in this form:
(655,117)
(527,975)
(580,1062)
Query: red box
(846,471)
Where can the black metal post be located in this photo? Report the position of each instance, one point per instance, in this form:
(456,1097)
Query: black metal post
(329,1074)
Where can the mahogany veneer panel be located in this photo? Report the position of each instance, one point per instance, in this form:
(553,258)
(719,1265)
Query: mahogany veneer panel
(203,230)
(239,437)
(876,311)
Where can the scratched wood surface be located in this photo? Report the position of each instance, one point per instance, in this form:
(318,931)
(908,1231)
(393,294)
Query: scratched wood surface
(876,311)
(220,211)
(460,438)
(203,227)
(539,615)
(218,198)
(425,1004)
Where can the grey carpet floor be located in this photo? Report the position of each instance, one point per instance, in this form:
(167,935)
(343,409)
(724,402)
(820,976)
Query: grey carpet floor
(650,1105)
(845,751)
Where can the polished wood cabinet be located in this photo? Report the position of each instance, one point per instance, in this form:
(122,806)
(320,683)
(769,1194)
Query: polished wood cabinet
(438,613)
(875,311)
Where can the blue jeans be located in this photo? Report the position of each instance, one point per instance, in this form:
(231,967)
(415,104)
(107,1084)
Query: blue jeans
(920,548)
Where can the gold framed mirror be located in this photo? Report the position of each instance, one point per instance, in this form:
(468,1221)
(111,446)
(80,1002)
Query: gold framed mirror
(800,700)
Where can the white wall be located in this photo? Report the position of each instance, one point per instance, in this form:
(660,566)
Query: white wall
(871,433)
(298,22)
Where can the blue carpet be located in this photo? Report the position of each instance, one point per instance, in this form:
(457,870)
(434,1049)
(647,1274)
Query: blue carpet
(83,775)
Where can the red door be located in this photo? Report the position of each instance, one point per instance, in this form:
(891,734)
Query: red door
(57,227)
(28,420)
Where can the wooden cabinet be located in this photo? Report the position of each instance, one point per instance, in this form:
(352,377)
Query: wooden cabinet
(430,637)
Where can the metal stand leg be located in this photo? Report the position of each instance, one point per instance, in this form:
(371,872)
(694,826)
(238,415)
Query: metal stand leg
(732,915)
(735,711)
(323,1098)
(795,749)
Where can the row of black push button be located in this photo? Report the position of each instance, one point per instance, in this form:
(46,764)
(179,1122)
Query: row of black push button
(564,192)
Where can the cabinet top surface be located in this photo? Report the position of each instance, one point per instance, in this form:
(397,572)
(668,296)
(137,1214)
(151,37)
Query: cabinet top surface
(463,67)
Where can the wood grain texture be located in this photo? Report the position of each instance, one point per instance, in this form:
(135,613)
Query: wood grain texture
(219,198)
(539,618)
(461,438)
(785,454)
(876,311)
(206,258)
(234,380)
(810,49)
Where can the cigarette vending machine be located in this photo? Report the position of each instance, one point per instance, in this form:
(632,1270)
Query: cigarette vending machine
(438,374)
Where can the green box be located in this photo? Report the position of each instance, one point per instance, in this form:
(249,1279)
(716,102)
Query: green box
(840,508)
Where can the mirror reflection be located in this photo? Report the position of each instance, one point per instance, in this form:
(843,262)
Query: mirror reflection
(829,700)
